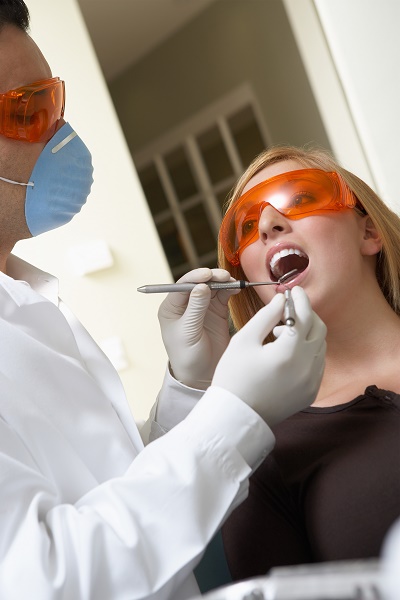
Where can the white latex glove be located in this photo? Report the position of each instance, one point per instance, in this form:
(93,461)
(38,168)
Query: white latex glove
(195,329)
(280,378)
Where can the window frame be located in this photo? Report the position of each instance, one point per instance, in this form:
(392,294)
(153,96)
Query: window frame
(185,135)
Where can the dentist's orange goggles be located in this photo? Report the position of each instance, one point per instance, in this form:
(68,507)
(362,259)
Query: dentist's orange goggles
(295,194)
(31,113)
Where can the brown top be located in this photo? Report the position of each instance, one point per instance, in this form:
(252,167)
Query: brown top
(329,491)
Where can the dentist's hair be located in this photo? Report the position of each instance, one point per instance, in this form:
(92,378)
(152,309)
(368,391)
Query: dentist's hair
(14,12)
(243,306)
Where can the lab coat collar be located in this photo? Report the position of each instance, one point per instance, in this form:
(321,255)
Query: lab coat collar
(43,283)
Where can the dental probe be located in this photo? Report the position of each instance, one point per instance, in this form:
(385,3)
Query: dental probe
(213,285)
(288,311)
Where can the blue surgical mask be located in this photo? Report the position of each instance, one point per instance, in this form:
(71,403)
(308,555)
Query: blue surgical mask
(60,182)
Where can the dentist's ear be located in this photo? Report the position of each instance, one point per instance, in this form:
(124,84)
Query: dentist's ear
(371,242)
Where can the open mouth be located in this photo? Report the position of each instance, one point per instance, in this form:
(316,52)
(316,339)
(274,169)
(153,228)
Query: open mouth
(286,260)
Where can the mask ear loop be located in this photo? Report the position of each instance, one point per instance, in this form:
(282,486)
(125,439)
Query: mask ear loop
(30,183)
(54,150)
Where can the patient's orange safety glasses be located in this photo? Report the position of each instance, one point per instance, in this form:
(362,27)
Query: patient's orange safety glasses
(30,113)
(295,194)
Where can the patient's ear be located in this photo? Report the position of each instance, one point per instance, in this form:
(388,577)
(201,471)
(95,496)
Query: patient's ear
(371,242)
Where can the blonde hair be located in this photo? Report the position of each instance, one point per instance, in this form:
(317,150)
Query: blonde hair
(244,306)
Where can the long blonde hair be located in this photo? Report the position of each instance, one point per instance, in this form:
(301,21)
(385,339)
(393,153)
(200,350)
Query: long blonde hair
(243,306)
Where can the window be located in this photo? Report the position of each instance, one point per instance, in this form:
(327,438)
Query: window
(187,176)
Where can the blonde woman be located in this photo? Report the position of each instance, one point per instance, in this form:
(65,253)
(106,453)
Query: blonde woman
(331,488)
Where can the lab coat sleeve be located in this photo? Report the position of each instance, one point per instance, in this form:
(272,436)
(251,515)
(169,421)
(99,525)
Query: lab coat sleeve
(174,402)
(137,536)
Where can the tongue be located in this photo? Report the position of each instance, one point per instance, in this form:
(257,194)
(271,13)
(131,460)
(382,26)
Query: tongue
(288,263)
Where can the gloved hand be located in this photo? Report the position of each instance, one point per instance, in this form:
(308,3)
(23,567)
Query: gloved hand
(282,377)
(195,327)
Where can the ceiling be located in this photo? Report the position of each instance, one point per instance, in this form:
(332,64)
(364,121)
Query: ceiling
(123,31)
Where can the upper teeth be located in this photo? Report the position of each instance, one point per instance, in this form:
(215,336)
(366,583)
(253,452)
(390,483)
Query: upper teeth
(278,255)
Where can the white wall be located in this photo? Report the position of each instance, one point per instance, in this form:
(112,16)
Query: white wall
(351,51)
(106,301)
(363,37)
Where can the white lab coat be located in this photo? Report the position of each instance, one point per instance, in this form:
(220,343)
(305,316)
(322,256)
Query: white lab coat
(85,510)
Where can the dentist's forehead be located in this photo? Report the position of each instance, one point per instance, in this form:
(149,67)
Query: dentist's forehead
(21,61)
(275,169)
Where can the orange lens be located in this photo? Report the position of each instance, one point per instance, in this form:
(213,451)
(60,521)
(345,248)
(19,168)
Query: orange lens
(31,113)
(295,194)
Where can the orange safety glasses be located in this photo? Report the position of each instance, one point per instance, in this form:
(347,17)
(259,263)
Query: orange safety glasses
(295,194)
(31,112)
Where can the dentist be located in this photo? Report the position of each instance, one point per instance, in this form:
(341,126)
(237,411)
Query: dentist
(86,511)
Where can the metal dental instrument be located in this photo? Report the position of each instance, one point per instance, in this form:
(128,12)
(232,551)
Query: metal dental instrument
(214,285)
(288,310)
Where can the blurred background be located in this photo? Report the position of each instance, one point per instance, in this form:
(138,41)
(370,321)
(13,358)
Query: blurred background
(200,88)
(174,99)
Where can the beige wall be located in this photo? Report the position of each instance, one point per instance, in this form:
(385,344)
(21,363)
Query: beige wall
(106,302)
(230,43)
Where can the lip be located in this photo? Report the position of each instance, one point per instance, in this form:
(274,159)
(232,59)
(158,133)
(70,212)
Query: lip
(297,280)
